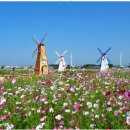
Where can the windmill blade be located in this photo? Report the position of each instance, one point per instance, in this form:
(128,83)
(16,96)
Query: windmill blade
(34,52)
(44,38)
(64,52)
(57,54)
(57,61)
(99,59)
(35,40)
(99,50)
(108,60)
(108,49)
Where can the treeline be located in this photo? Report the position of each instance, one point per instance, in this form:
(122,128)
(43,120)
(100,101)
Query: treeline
(87,66)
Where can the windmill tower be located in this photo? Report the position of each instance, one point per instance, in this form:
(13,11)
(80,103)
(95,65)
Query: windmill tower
(61,61)
(121,59)
(104,60)
(71,64)
(41,65)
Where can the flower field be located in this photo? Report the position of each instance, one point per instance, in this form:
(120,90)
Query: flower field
(69,100)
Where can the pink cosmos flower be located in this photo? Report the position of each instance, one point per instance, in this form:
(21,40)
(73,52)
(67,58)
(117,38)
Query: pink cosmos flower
(120,103)
(127,95)
(43,119)
(39,81)
(116,112)
(72,122)
(72,89)
(59,95)
(44,111)
(76,106)
(60,123)
(59,117)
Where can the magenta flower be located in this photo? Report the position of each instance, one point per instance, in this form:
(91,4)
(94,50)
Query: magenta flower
(76,106)
(116,112)
(119,83)
(107,94)
(44,111)
(127,95)
(48,82)
(59,95)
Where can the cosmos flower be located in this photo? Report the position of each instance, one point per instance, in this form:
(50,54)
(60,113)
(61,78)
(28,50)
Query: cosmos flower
(76,106)
(13,81)
(59,95)
(127,95)
(43,118)
(128,120)
(51,110)
(59,117)
(2,100)
(119,83)
(116,112)
(44,111)
(109,108)
(48,82)
(89,104)
(40,126)
(72,122)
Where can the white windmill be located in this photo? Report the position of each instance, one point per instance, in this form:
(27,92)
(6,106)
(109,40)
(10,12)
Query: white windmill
(104,60)
(61,61)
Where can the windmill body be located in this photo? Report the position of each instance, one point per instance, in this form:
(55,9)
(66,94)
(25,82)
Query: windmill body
(61,62)
(41,65)
(104,64)
(104,60)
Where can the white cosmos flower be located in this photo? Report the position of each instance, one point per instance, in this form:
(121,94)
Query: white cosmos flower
(89,104)
(52,87)
(2,100)
(96,116)
(120,97)
(128,120)
(67,110)
(51,110)
(40,126)
(9,127)
(65,104)
(22,96)
(85,112)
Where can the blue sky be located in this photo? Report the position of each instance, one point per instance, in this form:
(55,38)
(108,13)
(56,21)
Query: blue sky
(79,27)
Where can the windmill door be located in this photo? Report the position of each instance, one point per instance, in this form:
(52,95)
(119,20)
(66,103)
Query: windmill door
(44,69)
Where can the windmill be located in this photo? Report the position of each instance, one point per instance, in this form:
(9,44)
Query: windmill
(61,61)
(104,59)
(71,64)
(41,65)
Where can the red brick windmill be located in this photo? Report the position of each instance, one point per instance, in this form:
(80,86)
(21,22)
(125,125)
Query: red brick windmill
(41,65)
